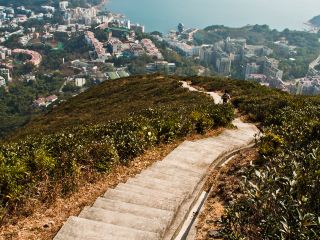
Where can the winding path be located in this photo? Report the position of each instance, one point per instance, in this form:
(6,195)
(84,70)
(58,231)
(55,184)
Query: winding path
(155,203)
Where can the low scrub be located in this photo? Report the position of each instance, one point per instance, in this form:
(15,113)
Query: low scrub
(280,194)
(45,166)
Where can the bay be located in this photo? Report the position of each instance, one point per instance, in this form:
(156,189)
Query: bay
(165,15)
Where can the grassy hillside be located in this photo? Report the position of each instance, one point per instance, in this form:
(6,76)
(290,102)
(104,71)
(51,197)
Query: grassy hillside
(114,100)
(118,120)
(280,194)
(90,134)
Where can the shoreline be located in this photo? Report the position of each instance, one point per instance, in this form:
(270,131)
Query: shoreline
(102,4)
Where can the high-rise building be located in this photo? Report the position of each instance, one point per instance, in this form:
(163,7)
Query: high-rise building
(251,68)
(224,66)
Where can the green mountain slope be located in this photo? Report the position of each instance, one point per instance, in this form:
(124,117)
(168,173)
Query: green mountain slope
(114,100)
(280,196)
(91,133)
(118,120)
(315,21)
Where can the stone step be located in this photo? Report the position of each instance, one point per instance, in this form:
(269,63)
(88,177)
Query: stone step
(213,150)
(173,174)
(168,177)
(154,201)
(173,170)
(76,237)
(85,228)
(189,150)
(145,191)
(187,163)
(222,143)
(194,147)
(124,219)
(184,166)
(138,210)
(156,186)
(177,183)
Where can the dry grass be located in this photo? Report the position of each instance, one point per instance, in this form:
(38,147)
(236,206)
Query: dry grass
(224,184)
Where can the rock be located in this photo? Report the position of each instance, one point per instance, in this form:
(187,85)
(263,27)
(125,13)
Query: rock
(48,225)
(214,234)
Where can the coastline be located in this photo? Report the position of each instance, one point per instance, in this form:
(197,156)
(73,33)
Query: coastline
(102,4)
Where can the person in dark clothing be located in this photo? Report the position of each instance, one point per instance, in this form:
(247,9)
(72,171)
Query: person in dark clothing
(226,97)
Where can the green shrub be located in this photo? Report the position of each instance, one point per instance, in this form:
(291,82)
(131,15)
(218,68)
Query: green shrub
(44,166)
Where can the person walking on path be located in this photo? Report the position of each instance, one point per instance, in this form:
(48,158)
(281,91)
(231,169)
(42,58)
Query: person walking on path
(226,97)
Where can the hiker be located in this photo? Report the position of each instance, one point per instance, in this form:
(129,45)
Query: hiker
(226,97)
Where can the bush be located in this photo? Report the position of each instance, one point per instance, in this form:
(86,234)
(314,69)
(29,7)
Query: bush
(32,166)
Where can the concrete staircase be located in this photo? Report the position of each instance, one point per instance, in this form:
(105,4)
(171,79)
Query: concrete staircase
(154,204)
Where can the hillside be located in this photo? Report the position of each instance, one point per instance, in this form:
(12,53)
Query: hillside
(278,197)
(315,21)
(109,125)
(114,100)
(90,134)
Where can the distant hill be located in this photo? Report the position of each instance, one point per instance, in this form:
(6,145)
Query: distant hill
(315,21)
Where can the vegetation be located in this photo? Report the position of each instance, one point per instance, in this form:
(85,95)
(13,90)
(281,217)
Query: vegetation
(280,194)
(107,125)
(315,21)
(16,103)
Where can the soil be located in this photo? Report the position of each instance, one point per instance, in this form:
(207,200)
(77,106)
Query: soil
(46,220)
(224,185)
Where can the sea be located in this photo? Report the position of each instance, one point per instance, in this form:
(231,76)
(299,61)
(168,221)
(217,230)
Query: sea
(164,15)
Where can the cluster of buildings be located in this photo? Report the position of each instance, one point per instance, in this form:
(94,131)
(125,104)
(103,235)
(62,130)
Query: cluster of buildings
(180,40)
(284,48)
(223,54)
(98,47)
(121,41)
(5,52)
(12,17)
(151,49)
(304,86)
(85,16)
(161,66)
(265,70)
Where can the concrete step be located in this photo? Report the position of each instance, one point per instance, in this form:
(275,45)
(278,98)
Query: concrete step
(124,219)
(173,170)
(169,177)
(177,183)
(160,166)
(184,166)
(76,237)
(189,150)
(186,163)
(175,173)
(89,229)
(194,147)
(154,201)
(146,191)
(138,210)
(156,186)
